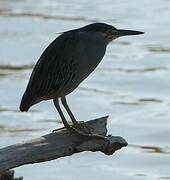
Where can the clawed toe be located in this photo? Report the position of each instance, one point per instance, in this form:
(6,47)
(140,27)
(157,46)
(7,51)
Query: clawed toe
(82,129)
(55,130)
(82,126)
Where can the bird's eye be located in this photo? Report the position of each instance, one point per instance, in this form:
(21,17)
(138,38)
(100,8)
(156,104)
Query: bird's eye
(109,32)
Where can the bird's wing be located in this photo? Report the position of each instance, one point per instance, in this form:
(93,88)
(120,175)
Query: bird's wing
(53,68)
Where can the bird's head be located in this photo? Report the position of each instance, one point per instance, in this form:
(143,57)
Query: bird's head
(109,32)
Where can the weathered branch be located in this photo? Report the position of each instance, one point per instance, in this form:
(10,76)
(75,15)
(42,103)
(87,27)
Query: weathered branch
(59,144)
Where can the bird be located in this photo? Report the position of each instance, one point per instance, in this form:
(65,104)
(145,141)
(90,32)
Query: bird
(66,62)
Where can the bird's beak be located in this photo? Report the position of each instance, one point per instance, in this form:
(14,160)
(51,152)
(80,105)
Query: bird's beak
(122,32)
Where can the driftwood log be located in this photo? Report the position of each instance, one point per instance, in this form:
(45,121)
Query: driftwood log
(59,144)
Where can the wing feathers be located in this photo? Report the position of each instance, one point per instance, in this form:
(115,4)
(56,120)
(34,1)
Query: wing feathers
(52,70)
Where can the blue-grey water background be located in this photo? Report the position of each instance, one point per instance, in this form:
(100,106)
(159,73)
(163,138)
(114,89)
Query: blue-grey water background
(131,85)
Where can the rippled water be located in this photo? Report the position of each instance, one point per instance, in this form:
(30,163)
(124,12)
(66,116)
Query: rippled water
(131,85)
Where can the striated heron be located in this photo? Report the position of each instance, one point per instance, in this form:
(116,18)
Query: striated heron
(66,62)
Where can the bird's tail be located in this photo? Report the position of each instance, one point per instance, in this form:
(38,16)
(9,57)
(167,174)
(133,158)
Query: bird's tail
(26,102)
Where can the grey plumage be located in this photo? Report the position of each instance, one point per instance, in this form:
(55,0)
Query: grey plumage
(62,67)
(67,61)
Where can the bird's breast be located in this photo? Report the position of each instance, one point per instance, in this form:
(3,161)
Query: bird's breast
(89,54)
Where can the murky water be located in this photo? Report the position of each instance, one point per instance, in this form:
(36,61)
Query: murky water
(132,85)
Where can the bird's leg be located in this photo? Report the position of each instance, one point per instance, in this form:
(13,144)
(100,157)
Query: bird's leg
(64,102)
(56,103)
(81,127)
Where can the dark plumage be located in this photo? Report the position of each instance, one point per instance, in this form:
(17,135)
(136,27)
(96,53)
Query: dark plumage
(66,62)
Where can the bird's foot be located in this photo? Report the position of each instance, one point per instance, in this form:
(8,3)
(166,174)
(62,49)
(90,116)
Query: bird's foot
(55,130)
(82,129)
(66,126)
(81,126)
(86,130)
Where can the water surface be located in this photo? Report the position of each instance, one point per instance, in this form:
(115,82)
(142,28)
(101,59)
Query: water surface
(131,85)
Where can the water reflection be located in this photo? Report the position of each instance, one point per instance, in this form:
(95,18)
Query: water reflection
(142,101)
(45,16)
(152,149)
(15,130)
(7,109)
(150,100)
(150,69)
(140,175)
(95,90)
(15,67)
(159,49)
(164,177)
(6,69)
(51,121)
